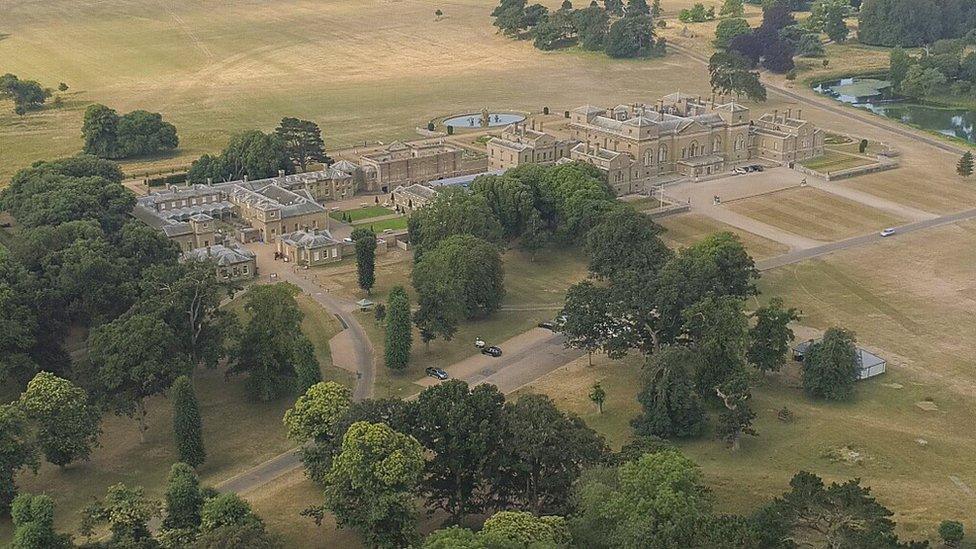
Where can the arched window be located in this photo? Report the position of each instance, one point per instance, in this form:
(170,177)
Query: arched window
(739,142)
(717,145)
(695,149)
(662,153)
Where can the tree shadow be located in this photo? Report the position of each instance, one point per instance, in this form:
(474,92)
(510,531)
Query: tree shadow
(4,35)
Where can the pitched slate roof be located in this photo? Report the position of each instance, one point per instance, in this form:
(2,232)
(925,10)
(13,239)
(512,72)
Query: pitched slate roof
(222,255)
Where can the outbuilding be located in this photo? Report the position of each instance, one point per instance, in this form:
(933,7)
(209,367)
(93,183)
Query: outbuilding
(868,363)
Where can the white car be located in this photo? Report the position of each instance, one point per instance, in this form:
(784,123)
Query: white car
(888,232)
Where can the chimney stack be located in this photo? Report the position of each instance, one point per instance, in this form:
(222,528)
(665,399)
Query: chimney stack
(281,173)
(245,178)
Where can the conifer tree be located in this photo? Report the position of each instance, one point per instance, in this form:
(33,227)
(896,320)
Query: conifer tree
(965,165)
(187,425)
(398,335)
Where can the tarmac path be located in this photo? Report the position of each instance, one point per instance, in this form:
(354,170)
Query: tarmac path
(817,251)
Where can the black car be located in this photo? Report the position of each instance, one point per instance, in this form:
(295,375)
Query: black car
(548,325)
(494,351)
(436,373)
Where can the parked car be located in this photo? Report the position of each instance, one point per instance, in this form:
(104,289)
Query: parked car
(548,325)
(888,232)
(493,350)
(480,343)
(740,170)
(347,240)
(436,373)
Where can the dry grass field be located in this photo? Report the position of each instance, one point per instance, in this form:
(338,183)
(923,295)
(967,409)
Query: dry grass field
(912,301)
(688,228)
(362,69)
(813,213)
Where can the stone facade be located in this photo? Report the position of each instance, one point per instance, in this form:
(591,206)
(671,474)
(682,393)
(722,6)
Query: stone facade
(639,145)
(522,144)
(407,198)
(310,248)
(407,163)
(233,264)
(187,215)
(785,139)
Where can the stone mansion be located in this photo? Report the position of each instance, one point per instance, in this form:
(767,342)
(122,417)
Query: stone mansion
(638,145)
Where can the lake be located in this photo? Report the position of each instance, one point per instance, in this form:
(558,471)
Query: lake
(876,96)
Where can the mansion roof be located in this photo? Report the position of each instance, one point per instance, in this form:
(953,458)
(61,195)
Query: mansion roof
(309,239)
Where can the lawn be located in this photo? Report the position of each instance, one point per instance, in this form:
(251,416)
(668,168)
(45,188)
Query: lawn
(836,160)
(393,223)
(814,214)
(911,301)
(358,214)
(303,58)
(689,228)
(239,433)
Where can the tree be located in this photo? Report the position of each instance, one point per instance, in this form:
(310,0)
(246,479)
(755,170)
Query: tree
(899,63)
(67,426)
(251,534)
(637,8)
(920,81)
(732,8)
(598,395)
(729,28)
(302,140)
(834,26)
(27,95)
(614,7)
(253,153)
(100,131)
(731,72)
(520,529)
(625,240)
(398,335)
(438,14)
(633,36)
(33,520)
(951,532)
(313,423)
(127,511)
(736,419)
(365,258)
(371,485)
(810,45)
(697,14)
(910,23)
(830,366)
(440,299)
(138,133)
(183,499)
(655,501)
(463,430)
(187,426)
(719,331)
(839,515)
(143,133)
(543,452)
(671,408)
(589,322)
(132,358)
(188,296)
(965,165)
(453,212)
(17,451)
(272,350)
(770,337)
(474,263)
